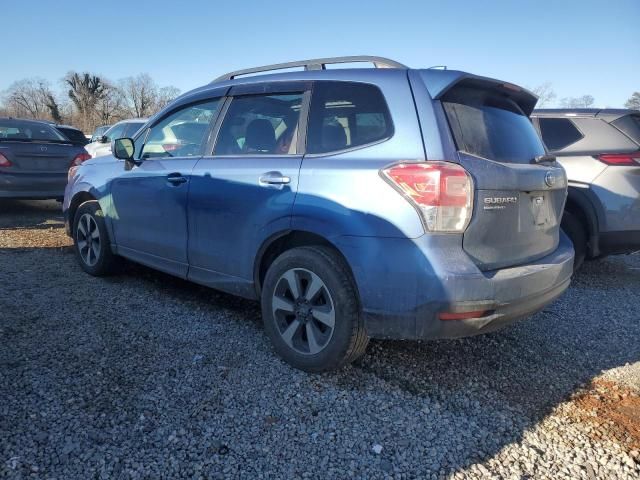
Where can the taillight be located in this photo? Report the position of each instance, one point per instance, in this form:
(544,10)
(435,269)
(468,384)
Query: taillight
(442,192)
(623,159)
(4,161)
(170,147)
(79,159)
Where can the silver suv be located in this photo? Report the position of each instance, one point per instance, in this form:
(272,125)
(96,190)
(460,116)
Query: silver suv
(600,150)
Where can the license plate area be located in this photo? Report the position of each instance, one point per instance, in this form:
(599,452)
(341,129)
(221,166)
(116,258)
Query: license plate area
(535,211)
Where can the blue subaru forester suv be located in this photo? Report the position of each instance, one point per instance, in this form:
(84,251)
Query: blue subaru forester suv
(354,203)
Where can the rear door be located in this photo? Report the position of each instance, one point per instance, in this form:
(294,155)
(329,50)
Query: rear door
(518,202)
(244,190)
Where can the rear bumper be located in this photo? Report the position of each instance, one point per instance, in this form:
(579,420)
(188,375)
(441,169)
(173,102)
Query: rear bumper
(32,186)
(444,279)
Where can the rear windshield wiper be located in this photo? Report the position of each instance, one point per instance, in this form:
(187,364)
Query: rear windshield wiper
(543,158)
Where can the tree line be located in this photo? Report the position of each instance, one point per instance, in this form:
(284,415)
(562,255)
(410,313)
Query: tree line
(89,100)
(547,98)
(86,100)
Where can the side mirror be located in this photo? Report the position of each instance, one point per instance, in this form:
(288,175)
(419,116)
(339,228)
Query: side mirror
(102,139)
(123,148)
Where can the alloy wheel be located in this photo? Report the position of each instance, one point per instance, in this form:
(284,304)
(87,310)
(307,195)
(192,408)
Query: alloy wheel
(88,239)
(303,310)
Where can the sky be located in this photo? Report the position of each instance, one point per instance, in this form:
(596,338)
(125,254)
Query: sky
(582,47)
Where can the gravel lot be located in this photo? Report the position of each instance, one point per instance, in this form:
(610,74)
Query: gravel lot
(142,375)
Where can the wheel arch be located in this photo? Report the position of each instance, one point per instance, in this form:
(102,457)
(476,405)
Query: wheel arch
(581,207)
(77,200)
(280,242)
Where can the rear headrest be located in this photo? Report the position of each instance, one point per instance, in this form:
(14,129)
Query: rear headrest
(260,136)
(334,137)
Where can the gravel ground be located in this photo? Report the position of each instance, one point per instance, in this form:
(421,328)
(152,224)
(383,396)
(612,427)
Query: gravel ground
(142,375)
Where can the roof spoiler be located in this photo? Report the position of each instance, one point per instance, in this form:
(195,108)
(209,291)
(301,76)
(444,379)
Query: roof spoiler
(439,82)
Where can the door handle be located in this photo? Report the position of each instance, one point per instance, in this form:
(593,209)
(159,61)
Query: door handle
(176,179)
(274,178)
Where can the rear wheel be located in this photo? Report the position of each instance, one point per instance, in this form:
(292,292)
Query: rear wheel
(574,229)
(91,240)
(310,310)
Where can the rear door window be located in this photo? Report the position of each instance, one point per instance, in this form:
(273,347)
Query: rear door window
(630,126)
(489,125)
(346,115)
(558,133)
(261,125)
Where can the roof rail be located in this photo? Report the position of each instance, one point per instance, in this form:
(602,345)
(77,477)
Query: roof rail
(315,64)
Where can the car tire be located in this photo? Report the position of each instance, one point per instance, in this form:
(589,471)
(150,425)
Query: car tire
(91,240)
(311,311)
(576,232)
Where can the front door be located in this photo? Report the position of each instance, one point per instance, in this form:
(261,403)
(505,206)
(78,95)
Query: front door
(244,191)
(150,200)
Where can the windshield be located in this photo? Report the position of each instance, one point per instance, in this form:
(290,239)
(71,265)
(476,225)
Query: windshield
(100,130)
(21,131)
(489,125)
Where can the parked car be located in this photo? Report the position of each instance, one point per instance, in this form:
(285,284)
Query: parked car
(354,203)
(125,128)
(35,159)
(74,134)
(600,150)
(99,132)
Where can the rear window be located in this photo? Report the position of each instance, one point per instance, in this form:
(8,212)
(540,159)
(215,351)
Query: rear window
(558,133)
(489,125)
(21,131)
(630,126)
(346,115)
(76,136)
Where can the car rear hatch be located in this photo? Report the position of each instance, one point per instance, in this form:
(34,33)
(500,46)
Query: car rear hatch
(519,194)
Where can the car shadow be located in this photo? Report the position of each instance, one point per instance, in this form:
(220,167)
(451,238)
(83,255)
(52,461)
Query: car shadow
(31,214)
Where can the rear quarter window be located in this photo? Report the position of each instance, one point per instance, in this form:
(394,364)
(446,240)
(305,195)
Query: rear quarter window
(630,126)
(346,115)
(558,133)
(489,125)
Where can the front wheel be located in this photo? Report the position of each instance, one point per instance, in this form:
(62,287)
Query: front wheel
(310,310)
(91,240)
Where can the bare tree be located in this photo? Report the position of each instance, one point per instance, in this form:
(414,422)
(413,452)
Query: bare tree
(112,106)
(85,91)
(545,94)
(28,98)
(165,96)
(585,101)
(634,101)
(54,108)
(141,94)
(88,99)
